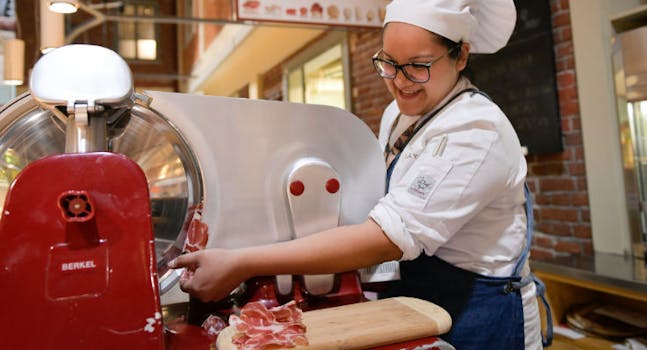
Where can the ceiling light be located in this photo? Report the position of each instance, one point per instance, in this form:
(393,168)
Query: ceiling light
(14,61)
(52,29)
(64,6)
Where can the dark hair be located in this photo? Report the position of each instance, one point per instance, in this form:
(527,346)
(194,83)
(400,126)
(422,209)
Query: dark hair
(453,48)
(454,51)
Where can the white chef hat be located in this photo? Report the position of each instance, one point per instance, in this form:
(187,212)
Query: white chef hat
(485,24)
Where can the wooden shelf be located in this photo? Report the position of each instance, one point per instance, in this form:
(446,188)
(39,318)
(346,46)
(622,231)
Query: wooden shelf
(588,343)
(564,293)
(576,281)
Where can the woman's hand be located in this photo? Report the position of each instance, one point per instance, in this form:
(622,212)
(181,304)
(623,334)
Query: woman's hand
(210,274)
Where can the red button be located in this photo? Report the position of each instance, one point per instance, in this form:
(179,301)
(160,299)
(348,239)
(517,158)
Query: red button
(332,185)
(297,188)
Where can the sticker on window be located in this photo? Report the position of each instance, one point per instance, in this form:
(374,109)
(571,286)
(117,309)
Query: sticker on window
(421,186)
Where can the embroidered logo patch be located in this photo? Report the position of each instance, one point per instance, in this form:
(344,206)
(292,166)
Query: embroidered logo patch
(421,186)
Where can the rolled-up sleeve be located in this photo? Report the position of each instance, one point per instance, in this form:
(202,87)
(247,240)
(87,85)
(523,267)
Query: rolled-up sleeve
(385,215)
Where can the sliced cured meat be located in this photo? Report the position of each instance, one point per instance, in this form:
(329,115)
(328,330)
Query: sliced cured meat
(214,325)
(287,313)
(260,328)
(197,233)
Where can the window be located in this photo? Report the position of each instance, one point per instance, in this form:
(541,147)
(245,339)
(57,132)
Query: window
(319,75)
(8,8)
(138,40)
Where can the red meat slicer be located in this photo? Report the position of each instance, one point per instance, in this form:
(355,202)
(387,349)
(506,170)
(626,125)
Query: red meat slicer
(78,261)
(81,263)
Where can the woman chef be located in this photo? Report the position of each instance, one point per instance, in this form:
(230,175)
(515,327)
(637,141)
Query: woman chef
(454,213)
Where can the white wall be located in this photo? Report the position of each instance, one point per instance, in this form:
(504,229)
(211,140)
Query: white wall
(592,32)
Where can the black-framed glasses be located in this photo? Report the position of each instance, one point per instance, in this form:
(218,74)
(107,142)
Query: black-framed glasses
(417,72)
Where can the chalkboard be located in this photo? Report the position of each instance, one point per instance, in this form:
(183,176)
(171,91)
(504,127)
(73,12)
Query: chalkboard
(521,78)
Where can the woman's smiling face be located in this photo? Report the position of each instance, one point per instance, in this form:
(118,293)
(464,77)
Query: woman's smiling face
(404,43)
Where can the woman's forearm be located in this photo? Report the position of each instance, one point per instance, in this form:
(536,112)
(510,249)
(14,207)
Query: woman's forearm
(212,273)
(339,249)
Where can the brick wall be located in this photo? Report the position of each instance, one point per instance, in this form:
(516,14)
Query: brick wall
(558,181)
(369,94)
(216,9)
(190,47)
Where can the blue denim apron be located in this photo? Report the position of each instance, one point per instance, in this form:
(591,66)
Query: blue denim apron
(487,312)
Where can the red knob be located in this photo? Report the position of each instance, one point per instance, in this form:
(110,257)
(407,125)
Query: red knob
(297,188)
(332,186)
(76,206)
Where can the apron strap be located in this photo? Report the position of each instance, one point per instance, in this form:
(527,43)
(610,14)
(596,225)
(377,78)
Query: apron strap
(540,292)
(547,339)
(540,287)
(389,171)
(530,224)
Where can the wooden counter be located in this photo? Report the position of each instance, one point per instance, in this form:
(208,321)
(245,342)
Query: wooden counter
(603,278)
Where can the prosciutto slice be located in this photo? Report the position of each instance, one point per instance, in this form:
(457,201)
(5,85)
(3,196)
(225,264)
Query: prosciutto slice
(260,328)
(214,325)
(197,233)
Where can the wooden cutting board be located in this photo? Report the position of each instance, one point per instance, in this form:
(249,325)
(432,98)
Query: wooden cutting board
(365,325)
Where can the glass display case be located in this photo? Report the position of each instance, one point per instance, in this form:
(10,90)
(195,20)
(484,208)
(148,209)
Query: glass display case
(629,61)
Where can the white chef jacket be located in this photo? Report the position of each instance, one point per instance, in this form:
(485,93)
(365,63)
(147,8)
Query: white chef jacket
(457,192)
